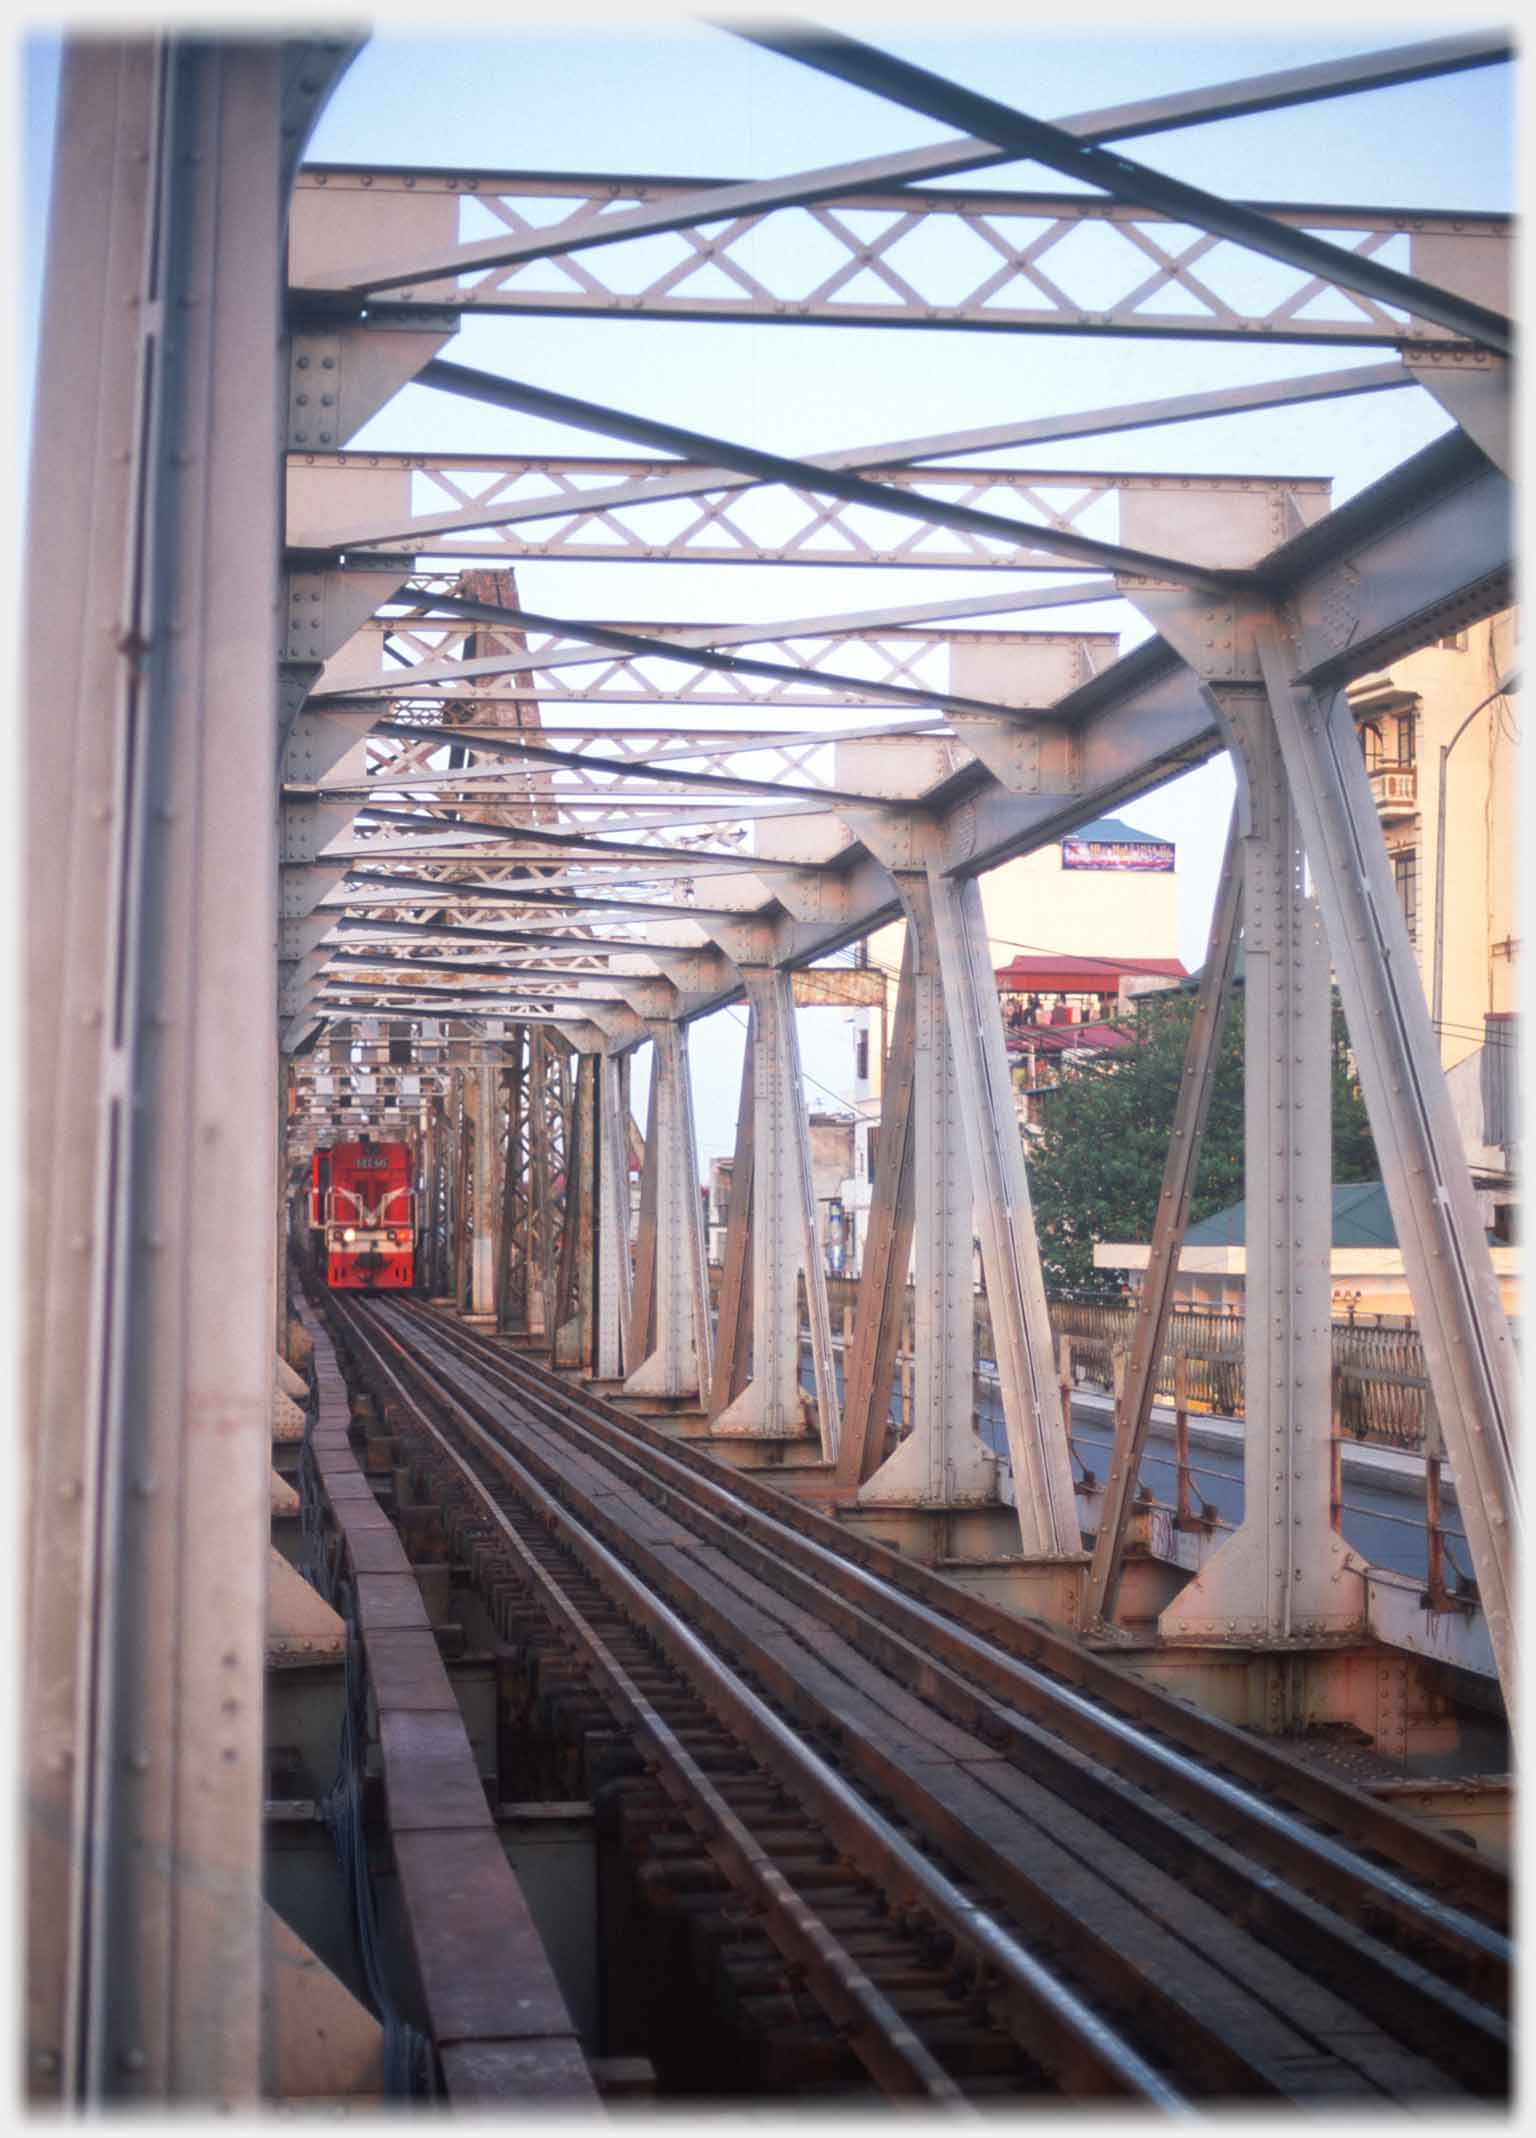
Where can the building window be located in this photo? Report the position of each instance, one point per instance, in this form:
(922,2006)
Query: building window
(861,1053)
(1407,738)
(1370,743)
(1405,875)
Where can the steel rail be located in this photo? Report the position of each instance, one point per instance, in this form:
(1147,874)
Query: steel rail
(1397,1994)
(1051,2022)
(967,1627)
(891,2052)
(1402,1997)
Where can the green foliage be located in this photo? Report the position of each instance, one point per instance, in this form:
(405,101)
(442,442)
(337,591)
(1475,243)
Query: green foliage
(1096,1167)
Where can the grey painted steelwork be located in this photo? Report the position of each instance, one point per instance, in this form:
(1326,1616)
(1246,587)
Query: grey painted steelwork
(1135,183)
(1133,1407)
(516,497)
(150,1311)
(941,1461)
(680,1363)
(149,1336)
(614,1294)
(1286,1575)
(783,1231)
(718,200)
(1019,286)
(498,392)
(1010,1255)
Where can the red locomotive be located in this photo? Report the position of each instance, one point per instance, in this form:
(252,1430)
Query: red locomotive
(361,1200)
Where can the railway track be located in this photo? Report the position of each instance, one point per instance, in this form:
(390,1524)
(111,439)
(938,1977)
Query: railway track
(932,1849)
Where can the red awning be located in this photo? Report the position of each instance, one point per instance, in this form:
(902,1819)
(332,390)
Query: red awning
(1040,972)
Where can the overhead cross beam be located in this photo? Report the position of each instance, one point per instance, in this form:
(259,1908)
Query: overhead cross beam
(541,401)
(717,200)
(634,643)
(918,90)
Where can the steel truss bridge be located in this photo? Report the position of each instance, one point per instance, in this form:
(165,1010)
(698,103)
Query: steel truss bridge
(324,822)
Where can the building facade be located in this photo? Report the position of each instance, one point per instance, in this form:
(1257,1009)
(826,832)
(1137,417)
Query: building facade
(1441,741)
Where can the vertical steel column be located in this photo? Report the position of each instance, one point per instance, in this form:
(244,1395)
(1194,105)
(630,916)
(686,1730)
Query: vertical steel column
(439,1276)
(882,1298)
(463,1153)
(511,1242)
(482,1214)
(942,1462)
(283,1213)
(1285,1574)
(539,1239)
(641,1334)
(680,1363)
(549,1110)
(1467,1349)
(733,1332)
(1134,1407)
(572,1340)
(994,1149)
(613,1273)
(783,1232)
(151,868)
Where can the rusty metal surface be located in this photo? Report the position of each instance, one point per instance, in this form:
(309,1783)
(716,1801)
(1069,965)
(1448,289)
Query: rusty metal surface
(1068,1830)
(406,1672)
(483,1971)
(376,1551)
(1270,1767)
(552,2071)
(482,1964)
(389,1600)
(1044,2013)
(430,1776)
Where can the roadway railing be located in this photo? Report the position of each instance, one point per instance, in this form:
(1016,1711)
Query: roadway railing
(1380,1386)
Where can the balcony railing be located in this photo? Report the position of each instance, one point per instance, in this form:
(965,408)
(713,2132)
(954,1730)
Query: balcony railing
(1395,789)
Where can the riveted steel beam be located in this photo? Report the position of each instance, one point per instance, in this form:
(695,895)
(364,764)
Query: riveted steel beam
(719,199)
(1133,1404)
(784,1243)
(1036,1431)
(920,90)
(500,392)
(150,995)
(679,1361)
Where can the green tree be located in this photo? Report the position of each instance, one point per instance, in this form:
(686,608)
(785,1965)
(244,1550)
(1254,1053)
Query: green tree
(1096,1166)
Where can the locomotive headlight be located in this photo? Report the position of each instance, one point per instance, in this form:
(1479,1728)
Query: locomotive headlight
(349,1236)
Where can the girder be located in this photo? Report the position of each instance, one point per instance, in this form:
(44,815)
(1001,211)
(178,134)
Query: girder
(1024,274)
(345,731)
(352,502)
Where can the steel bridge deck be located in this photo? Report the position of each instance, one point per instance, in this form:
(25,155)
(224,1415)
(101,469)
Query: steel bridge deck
(1114,1893)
